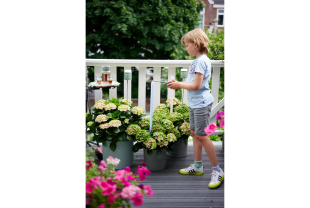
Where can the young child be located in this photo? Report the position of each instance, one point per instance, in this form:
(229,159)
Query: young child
(200,102)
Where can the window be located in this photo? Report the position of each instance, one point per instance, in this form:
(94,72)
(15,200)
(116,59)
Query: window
(202,19)
(220,17)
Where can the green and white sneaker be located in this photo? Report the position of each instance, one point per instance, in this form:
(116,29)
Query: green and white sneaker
(216,179)
(191,170)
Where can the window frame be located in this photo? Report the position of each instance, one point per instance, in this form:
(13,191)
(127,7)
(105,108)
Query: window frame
(217,16)
(203,18)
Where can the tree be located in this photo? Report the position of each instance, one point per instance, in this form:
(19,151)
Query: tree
(138,29)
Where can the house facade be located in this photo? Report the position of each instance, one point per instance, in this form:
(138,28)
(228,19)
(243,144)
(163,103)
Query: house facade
(214,11)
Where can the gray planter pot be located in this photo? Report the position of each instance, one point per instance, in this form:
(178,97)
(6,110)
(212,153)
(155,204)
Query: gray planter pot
(123,152)
(154,163)
(180,149)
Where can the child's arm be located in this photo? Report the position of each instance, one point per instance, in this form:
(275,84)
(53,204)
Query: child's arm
(188,86)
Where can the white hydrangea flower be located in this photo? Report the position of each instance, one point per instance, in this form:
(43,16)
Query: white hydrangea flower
(123,107)
(115,123)
(104,126)
(101,118)
(110,106)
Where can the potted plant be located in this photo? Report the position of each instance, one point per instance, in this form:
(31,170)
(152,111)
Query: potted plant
(164,133)
(108,122)
(106,187)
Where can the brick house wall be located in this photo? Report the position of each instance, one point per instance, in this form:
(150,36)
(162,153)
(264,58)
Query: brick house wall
(210,14)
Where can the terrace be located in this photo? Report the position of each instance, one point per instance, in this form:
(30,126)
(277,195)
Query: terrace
(171,189)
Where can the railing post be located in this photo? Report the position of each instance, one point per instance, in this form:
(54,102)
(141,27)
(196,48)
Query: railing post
(142,85)
(215,84)
(171,72)
(156,76)
(113,92)
(98,93)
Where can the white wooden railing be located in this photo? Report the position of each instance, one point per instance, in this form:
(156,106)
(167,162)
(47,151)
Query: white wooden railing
(157,65)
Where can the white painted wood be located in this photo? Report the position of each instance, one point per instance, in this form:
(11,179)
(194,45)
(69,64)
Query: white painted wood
(217,108)
(214,111)
(129,85)
(215,84)
(184,94)
(113,92)
(142,87)
(156,76)
(171,72)
(98,93)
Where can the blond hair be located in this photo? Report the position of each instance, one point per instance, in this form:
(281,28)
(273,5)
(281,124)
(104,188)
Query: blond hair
(198,37)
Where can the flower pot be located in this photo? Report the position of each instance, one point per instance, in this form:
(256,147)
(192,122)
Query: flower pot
(180,149)
(123,152)
(153,162)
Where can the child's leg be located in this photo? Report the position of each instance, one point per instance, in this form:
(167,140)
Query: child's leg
(197,147)
(209,148)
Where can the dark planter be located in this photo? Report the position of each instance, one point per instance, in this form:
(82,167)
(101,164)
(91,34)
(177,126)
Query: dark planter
(180,149)
(123,152)
(153,162)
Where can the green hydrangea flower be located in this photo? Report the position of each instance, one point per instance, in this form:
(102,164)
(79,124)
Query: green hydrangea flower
(133,129)
(145,122)
(167,124)
(184,128)
(163,143)
(171,137)
(175,116)
(186,117)
(158,127)
(180,110)
(175,132)
(175,101)
(142,135)
(159,136)
(126,121)
(150,143)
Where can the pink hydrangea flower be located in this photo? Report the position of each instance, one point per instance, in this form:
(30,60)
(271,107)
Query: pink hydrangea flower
(210,129)
(101,206)
(88,164)
(222,122)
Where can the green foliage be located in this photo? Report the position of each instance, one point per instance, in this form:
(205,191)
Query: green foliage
(126,29)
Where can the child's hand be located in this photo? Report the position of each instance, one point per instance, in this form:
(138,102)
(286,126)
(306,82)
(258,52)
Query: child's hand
(173,84)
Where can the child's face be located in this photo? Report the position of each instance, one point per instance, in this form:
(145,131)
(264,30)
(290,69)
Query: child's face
(191,48)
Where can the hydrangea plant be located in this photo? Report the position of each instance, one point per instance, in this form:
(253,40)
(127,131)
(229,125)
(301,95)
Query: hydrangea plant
(167,128)
(110,119)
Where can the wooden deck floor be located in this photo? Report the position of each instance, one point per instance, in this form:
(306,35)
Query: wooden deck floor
(172,189)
